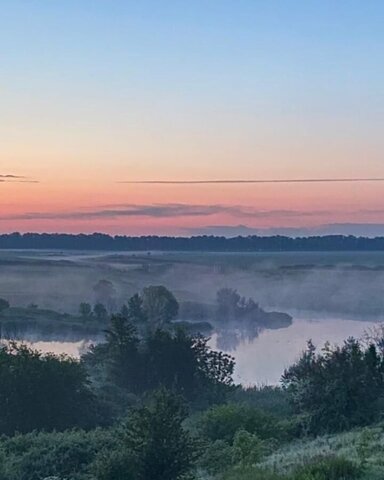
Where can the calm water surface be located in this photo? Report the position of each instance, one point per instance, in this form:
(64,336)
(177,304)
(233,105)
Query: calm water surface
(262,359)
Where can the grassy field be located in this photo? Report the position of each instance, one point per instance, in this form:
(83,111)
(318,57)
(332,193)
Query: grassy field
(362,446)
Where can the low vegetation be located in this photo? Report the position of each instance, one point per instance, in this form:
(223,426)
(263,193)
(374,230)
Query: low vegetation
(152,401)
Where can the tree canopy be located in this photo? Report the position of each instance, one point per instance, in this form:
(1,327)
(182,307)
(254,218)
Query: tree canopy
(339,388)
(43,391)
(175,360)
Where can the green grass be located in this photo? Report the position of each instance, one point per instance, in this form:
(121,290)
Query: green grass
(363,447)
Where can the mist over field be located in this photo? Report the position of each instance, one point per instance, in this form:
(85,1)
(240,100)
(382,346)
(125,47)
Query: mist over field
(347,284)
(329,296)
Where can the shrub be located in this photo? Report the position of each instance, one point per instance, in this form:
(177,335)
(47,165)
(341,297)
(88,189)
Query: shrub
(152,445)
(251,473)
(248,449)
(216,457)
(328,468)
(323,468)
(223,421)
(115,465)
(43,392)
(65,455)
(268,398)
(339,388)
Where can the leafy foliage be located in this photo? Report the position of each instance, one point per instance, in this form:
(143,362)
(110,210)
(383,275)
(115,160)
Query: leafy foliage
(337,389)
(104,292)
(176,361)
(135,309)
(222,422)
(160,305)
(232,306)
(153,443)
(328,468)
(69,454)
(43,391)
(322,468)
(100,312)
(271,399)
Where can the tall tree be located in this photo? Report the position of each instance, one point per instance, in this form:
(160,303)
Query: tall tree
(42,391)
(337,389)
(136,313)
(160,305)
(105,293)
(154,445)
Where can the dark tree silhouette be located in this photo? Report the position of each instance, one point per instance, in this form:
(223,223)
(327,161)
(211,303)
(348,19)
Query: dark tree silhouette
(337,389)
(154,445)
(176,361)
(160,305)
(104,293)
(136,313)
(277,243)
(100,311)
(4,305)
(85,310)
(42,391)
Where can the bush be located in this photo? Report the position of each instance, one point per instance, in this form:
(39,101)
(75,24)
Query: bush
(328,468)
(43,392)
(216,457)
(248,449)
(152,445)
(174,360)
(115,465)
(323,468)
(339,388)
(223,421)
(65,455)
(268,398)
(251,473)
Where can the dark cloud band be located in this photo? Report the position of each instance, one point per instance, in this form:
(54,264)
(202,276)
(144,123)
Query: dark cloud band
(163,211)
(8,178)
(240,181)
(11,176)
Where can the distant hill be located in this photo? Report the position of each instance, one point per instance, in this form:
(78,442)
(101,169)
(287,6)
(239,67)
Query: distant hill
(98,241)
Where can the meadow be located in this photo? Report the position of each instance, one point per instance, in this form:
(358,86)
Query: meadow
(349,284)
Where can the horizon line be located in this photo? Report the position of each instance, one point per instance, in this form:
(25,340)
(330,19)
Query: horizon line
(241,181)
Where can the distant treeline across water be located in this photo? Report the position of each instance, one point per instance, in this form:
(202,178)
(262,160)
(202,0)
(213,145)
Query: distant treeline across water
(99,241)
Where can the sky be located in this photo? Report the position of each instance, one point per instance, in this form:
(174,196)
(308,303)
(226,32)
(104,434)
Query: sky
(99,94)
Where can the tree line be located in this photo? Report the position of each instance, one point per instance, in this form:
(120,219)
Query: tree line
(252,243)
(152,402)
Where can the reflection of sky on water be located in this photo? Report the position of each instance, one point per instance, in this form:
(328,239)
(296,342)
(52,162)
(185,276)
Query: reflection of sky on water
(75,349)
(263,359)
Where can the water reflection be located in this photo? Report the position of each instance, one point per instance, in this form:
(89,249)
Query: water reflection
(262,359)
(229,340)
(261,355)
(74,349)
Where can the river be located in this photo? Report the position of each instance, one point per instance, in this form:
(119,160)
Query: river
(261,360)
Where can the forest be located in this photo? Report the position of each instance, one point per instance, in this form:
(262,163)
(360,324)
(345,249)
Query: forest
(203,243)
(153,401)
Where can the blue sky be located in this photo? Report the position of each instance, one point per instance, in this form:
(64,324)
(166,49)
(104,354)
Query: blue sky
(99,91)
